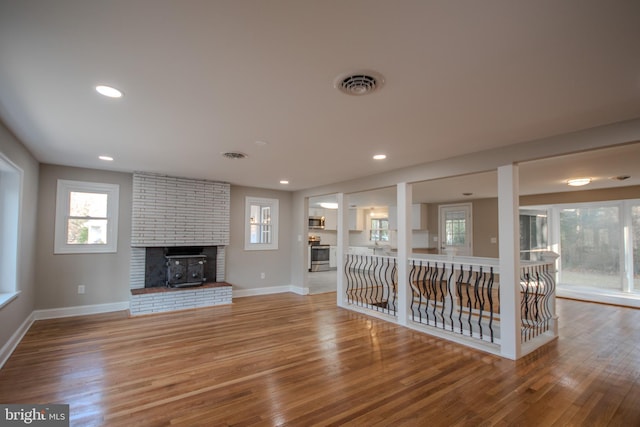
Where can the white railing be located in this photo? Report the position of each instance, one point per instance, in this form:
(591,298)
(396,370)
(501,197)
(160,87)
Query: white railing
(371,283)
(460,295)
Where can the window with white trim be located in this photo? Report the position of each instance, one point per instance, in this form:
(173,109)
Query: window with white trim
(379,231)
(261,224)
(10,196)
(86,217)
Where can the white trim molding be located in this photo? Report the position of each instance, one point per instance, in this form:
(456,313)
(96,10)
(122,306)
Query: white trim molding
(239,293)
(9,347)
(81,310)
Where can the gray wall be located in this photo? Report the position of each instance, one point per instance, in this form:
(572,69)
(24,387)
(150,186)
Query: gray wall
(105,276)
(244,267)
(17,311)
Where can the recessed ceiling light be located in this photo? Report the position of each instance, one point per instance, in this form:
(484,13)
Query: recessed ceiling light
(380,157)
(261,143)
(284,181)
(577,182)
(109,91)
(467,194)
(106,158)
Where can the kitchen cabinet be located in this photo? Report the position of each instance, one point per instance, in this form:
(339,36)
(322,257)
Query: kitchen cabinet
(356,221)
(333,257)
(331,219)
(316,211)
(418,217)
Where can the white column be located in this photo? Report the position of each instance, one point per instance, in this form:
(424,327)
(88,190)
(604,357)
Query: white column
(509,244)
(343,246)
(404,196)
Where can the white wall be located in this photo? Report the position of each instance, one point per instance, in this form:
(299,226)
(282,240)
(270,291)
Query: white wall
(16,312)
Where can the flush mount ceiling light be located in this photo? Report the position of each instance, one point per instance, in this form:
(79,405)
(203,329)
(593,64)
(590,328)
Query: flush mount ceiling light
(359,83)
(234,155)
(106,158)
(578,182)
(329,205)
(380,157)
(108,91)
(284,181)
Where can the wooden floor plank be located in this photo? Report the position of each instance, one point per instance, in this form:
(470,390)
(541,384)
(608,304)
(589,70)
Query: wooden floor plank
(298,360)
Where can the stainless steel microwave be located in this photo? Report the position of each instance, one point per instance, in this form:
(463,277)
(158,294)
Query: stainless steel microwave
(316,223)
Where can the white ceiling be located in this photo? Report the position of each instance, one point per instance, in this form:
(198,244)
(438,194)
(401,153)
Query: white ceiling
(205,77)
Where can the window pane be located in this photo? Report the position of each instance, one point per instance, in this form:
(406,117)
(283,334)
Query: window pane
(455,229)
(590,247)
(265,216)
(533,234)
(255,236)
(254,215)
(266,234)
(87,232)
(87,204)
(635,224)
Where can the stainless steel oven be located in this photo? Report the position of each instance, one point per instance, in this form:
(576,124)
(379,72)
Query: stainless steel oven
(320,257)
(316,223)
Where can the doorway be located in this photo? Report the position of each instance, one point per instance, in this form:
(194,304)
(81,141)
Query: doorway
(456,229)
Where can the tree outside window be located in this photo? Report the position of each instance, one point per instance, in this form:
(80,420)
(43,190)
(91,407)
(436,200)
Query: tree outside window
(86,217)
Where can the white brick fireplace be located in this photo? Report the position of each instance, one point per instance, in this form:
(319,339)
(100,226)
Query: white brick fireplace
(171,212)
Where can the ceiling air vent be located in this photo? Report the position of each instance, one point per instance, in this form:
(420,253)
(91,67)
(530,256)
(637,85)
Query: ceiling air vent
(359,83)
(233,155)
(621,177)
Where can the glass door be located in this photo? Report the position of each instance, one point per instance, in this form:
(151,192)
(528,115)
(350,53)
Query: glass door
(456,229)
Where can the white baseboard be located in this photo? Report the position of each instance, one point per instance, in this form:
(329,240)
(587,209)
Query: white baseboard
(15,339)
(54,313)
(600,296)
(239,293)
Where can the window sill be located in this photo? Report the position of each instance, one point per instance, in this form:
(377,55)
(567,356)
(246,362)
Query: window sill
(6,298)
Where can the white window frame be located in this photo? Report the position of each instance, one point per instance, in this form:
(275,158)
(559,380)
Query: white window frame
(65,187)
(260,201)
(379,230)
(11,181)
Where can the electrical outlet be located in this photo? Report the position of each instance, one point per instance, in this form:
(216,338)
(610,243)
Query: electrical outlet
(262,275)
(81,289)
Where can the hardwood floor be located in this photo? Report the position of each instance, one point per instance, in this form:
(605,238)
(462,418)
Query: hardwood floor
(299,360)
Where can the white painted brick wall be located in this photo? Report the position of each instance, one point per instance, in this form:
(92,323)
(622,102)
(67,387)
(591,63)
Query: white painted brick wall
(136,272)
(170,211)
(159,302)
(220,264)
